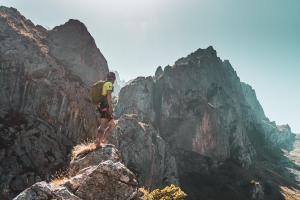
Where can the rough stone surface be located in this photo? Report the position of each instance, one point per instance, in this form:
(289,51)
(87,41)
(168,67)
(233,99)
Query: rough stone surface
(106,153)
(99,178)
(142,103)
(145,152)
(74,47)
(200,105)
(106,181)
(279,135)
(44,80)
(44,191)
(209,120)
(197,105)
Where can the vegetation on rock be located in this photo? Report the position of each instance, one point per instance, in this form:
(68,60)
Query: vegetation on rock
(171,192)
(83,148)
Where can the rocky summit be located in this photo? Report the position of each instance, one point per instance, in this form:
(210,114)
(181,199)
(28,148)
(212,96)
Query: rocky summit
(193,124)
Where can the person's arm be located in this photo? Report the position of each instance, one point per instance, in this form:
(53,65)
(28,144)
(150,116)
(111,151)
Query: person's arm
(109,100)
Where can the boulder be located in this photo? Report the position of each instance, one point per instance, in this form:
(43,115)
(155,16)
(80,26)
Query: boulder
(108,152)
(108,180)
(44,191)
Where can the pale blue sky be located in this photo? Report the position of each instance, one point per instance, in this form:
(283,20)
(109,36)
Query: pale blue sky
(261,38)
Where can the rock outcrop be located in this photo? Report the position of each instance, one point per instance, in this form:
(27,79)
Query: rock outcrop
(43,190)
(97,175)
(145,152)
(73,46)
(44,76)
(141,103)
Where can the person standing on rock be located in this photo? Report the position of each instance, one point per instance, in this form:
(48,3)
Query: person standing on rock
(105,108)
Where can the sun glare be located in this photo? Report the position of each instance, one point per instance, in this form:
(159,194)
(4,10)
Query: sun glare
(128,8)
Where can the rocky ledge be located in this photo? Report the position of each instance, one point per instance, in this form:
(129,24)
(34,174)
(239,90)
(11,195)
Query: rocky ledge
(96,174)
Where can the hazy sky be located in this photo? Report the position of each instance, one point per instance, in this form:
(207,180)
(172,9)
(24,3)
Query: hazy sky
(261,38)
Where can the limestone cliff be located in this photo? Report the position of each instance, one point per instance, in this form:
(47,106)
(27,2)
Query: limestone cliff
(197,105)
(213,124)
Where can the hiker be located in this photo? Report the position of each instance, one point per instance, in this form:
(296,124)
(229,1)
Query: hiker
(105,109)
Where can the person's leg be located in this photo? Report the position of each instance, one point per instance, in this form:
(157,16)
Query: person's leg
(108,131)
(101,130)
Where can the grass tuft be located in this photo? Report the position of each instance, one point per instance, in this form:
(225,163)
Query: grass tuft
(59,178)
(56,182)
(83,149)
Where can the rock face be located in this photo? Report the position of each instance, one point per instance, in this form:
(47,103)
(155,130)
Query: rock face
(197,105)
(145,152)
(278,135)
(43,190)
(100,175)
(200,105)
(209,120)
(44,76)
(114,181)
(142,103)
(76,49)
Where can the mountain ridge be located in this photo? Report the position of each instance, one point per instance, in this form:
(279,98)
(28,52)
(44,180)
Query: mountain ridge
(193,124)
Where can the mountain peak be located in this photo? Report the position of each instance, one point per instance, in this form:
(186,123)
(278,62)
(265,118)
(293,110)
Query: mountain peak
(72,44)
(9,10)
(74,24)
(208,52)
(12,15)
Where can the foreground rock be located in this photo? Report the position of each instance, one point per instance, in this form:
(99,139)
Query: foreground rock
(94,157)
(100,175)
(108,180)
(43,190)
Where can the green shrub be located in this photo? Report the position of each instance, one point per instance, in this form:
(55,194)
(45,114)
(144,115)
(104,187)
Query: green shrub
(168,193)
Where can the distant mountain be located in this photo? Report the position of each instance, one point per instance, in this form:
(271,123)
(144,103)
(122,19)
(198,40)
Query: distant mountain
(118,84)
(214,127)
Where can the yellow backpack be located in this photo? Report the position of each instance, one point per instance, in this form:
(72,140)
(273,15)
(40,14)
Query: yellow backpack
(96,92)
